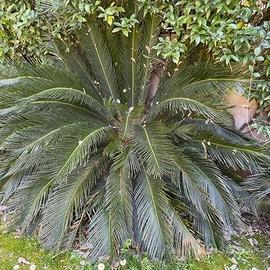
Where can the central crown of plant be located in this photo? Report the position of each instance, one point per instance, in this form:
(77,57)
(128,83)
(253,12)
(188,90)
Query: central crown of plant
(112,144)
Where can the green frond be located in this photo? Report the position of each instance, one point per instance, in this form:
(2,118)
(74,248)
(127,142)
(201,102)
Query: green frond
(186,245)
(98,54)
(153,147)
(86,147)
(34,137)
(258,186)
(202,177)
(209,129)
(15,88)
(74,58)
(135,64)
(172,106)
(225,146)
(100,238)
(71,95)
(239,157)
(202,79)
(117,208)
(152,213)
(67,200)
(118,205)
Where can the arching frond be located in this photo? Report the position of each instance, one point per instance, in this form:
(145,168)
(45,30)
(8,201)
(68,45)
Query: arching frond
(152,213)
(186,245)
(74,58)
(202,79)
(71,95)
(100,236)
(67,200)
(87,147)
(174,106)
(247,157)
(259,186)
(118,204)
(98,55)
(210,129)
(152,145)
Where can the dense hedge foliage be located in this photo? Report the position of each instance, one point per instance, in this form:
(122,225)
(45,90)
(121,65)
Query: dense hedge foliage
(232,30)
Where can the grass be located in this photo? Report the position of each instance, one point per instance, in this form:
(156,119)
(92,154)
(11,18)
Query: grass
(242,255)
(11,248)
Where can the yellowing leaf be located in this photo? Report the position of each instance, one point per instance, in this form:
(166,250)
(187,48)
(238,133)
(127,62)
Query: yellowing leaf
(240,25)
(110,20)
(245,3)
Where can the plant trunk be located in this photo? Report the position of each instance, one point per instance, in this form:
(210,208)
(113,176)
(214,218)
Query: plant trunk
(154,82)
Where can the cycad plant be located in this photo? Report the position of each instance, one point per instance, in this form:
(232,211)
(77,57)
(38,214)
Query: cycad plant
(112,144)
(259,187)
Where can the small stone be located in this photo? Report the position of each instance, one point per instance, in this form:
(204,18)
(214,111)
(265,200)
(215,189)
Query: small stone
(211,250)
(32,267)
(4,217)
(84,248)
(3,208)
(16,267)
(130,109)
(250,230)
(23,260)
(82,263)
(123,262)
(101,266)
(253,242)
(234,261)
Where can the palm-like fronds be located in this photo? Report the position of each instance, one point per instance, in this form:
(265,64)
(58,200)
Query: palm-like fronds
(259,186)
(82,146)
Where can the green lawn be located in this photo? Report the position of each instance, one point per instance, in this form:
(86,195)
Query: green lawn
(247,257)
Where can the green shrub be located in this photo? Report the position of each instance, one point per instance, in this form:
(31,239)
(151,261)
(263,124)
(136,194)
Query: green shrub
(124,145)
